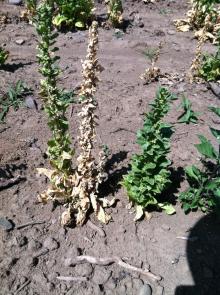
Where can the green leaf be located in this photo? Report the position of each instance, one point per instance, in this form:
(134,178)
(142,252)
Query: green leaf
(215,110)
(79,24)
(168,208)
(193,173)
(216,133)
(206,148)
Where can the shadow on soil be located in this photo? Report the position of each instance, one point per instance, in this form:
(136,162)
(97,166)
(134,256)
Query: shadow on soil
(203,255)
(176,177)
(14,67)
(8,169)
(112,183)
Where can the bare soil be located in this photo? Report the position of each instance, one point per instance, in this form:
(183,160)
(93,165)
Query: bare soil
(183,249)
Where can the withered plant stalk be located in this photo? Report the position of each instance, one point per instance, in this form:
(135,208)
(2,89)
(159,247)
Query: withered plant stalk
(89,174)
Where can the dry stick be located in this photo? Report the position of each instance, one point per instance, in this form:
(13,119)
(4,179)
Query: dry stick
(70,279)
(118,260)
(96,228)
(29,224)
(22,287)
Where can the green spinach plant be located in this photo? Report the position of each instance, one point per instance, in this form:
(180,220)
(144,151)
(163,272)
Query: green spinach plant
(210,68)
(73,13)
(188,116)
(204,183)
(149,175)
(14,97)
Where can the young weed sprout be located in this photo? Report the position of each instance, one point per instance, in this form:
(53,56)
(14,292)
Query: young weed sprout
(3,56)
(76,187)
(152,73)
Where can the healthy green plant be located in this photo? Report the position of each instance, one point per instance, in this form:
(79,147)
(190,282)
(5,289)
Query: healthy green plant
(149,175)
(14,97)
(210,68)
(204,183)
(55,102)
(115,11)
(3,56)
(73,13)
(188,116)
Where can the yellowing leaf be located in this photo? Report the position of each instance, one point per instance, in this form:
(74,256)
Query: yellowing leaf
(139,213)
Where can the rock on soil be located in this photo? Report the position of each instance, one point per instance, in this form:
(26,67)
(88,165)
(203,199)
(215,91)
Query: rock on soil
(145,290)
(51,244)
(101,275)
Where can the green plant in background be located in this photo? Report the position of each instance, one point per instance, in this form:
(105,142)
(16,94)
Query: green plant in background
(202,13)
(13,98)
(3,56)
(31,6)
(149,175)
(55,102)
(204,183)
(73,13)
(210,68)
(188,116)
(115,11)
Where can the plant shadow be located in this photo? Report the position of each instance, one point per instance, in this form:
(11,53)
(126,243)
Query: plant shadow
(14,67)
(203,256)
(176,177)
(102,20)
(112,184)
(7,171)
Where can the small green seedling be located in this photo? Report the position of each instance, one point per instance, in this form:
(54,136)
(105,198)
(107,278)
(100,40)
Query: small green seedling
(3,56)
(13,98)
(204,183)
(150,53)
(188,116)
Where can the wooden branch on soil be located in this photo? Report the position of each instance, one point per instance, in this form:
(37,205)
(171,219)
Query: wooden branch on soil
(110,260)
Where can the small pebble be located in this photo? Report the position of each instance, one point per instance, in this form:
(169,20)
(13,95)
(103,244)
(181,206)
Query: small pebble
(30,102)
(6,224)
(51,244)
(15,2)
(145,290)
(19,41)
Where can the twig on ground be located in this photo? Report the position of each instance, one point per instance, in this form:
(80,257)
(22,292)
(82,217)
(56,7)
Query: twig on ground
(119,261)
(22,287)
(100,231)
(70,279)
(29,224)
